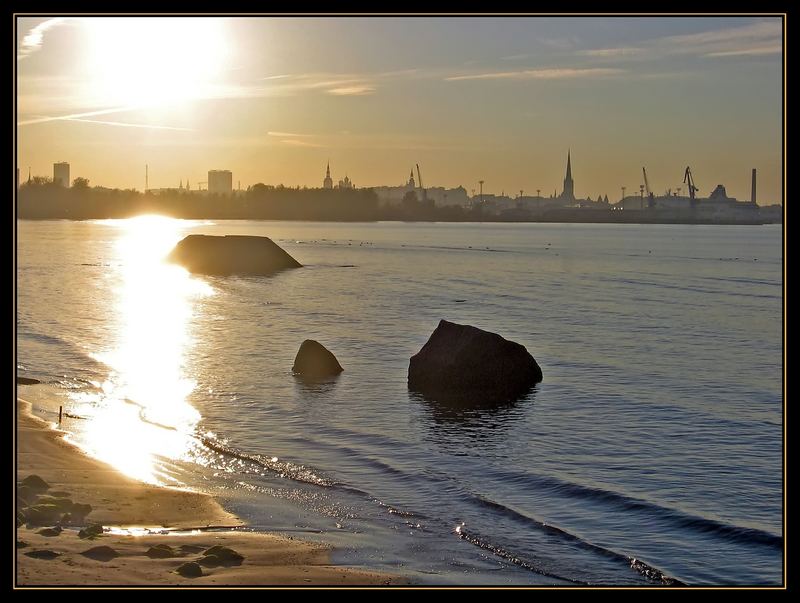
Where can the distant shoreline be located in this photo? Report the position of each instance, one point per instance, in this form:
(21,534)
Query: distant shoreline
(487,220)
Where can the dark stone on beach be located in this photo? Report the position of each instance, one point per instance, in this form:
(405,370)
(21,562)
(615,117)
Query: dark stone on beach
(79,510)
(50,532)
(101,553)
(461,363)
(43,554)
(221,555)
(210,561)
(190,570)
(21,544)
(42,514)
(231,254)
(64,505)
(161,551)
(314,360)
(27,381)
(190,548)
(92,531)
(35,483)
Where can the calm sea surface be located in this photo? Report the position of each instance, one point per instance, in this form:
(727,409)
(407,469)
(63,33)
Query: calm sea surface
(656,435)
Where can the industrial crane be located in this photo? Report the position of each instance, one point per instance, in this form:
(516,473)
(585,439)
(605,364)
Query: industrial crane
(687,179)
(422,188)
(651,201)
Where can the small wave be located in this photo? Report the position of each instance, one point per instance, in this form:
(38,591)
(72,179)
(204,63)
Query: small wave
(511,557)
(680,518)
(286,469)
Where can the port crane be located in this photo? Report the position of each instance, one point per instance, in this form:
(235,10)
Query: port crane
(687,179)
(422,188)
(651,201)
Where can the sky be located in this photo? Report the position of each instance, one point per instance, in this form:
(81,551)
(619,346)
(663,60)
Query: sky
(502,100)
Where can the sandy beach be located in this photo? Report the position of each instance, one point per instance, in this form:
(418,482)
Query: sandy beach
(49,557)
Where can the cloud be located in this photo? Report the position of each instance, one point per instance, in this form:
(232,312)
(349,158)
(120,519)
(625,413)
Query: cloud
(539,74)
(34,39)
(300,143)
(624,51)
(287,134)
(757,51)
(515,57)
(352,91)
(754,39)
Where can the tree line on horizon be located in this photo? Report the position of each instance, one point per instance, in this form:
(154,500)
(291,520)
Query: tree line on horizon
(41,198)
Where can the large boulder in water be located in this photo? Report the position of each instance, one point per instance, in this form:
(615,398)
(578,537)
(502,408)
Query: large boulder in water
(464,363)
(231,254)
(314,360)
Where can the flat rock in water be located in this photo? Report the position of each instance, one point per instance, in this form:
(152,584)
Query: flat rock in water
(463,363)
(231,254)
(27,381)
(314,360)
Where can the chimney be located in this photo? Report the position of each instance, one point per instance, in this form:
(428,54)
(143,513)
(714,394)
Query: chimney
(753,188)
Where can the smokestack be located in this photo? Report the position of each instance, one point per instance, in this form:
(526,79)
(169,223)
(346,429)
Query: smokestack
(753,188)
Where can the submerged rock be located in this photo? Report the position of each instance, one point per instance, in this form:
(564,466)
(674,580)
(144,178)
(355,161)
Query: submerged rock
(462,362)
(27,381)
(314,360)
(231,254)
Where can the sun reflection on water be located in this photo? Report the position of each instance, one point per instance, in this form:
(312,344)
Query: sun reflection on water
(142,410)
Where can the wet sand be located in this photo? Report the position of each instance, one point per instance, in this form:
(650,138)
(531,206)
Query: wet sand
(116,500)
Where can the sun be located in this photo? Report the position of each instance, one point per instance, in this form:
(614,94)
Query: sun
(154,61)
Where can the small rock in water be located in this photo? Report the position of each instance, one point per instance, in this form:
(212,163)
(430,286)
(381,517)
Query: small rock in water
(50,532)
(21,544)
(314,360)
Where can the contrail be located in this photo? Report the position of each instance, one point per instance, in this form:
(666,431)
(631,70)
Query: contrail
(130,125)
(42,120)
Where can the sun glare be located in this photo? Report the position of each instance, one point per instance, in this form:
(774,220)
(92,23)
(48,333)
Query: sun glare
(154,61)
(143,411)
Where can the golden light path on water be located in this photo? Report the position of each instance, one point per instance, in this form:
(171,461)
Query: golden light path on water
(143,411)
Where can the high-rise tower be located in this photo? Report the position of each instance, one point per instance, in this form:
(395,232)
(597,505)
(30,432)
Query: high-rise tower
(328,182)
(568,193)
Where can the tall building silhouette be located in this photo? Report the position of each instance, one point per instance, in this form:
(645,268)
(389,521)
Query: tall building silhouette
(568,194)
(61,174)
(328,182)
(220,182)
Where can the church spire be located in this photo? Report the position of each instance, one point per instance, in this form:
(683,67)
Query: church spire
(569,167)
(568,193)
(328,171)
